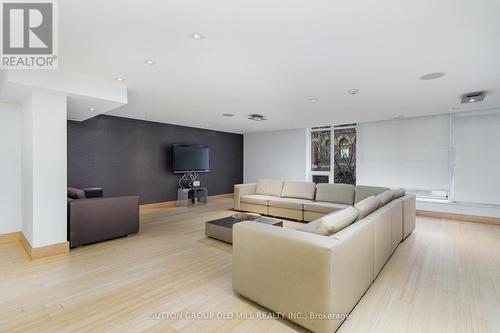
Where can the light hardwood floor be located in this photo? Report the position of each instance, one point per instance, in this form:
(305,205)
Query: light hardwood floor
(444,278)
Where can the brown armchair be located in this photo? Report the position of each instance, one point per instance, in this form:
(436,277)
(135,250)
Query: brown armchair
(97,218)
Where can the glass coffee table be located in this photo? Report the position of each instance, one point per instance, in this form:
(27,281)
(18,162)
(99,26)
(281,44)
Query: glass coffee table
(222,229)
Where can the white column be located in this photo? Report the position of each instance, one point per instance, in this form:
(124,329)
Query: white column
(44,164)
(10,168)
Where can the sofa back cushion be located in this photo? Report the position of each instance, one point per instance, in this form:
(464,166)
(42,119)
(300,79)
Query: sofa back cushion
(367,206)
(300,190)
(75,193)
(385,197)
(398,193)
(269,187)
(338,193)
(337,221)
(363,192)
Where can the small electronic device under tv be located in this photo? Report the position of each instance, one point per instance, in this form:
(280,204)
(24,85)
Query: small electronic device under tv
(191,158)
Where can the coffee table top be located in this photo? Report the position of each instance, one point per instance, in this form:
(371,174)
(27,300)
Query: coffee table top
(228,222)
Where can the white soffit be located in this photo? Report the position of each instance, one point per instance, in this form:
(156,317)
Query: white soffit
(87,97)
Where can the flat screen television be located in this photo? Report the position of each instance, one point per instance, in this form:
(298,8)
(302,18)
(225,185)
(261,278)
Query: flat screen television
(191,158)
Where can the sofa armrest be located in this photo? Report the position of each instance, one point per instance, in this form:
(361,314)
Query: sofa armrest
(243,189)
(98,219)
(287,271)
(409,213)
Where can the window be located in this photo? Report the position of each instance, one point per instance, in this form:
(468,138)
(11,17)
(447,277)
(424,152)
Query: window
(452,158)
(476,158)
(411,153)
(333,161)
(318,179)
(320,150)
(344,148)
(345,155)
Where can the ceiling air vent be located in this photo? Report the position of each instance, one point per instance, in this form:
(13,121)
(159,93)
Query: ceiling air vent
(473,97)
(257,117)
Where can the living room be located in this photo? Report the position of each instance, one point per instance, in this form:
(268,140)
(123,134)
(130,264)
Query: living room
(249,166)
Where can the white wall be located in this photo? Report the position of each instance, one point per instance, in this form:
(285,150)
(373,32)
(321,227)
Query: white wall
(10,168)
(44,170)
(275,155)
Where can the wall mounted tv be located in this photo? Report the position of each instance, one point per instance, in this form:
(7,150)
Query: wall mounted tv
(191,158)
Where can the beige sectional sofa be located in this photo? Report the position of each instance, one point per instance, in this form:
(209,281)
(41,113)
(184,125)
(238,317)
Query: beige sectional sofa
(314,279)
(301,201)
(275,197)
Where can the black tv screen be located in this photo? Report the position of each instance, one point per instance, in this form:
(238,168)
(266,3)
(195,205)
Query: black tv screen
(191,158)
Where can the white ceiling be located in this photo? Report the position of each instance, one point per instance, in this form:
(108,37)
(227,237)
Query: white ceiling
(271,56)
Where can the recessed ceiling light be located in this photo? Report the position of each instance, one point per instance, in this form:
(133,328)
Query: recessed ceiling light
(228,114)
(313,100)
(197,36)
(257,117)
(150,62)
(473,97)
(92,109)
(432,76)
(119,79)
(353,91)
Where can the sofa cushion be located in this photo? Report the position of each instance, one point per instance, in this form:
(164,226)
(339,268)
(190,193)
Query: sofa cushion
(75,193)
(337,221)
(300,190)
(269,187)
(338,193)
(290,203)
(363,192)
(385,197)
(254,208)
(257,199)
(324,207)
(398,193)
(367,206)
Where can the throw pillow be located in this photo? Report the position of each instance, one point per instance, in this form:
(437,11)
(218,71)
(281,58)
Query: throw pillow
(75,193)
(367,206)
(336,221)
(400,192)
(385,197)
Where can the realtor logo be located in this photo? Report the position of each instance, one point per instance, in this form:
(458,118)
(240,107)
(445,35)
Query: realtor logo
(28,31)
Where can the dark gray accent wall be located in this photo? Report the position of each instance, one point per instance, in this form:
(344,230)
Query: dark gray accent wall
(127,156)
